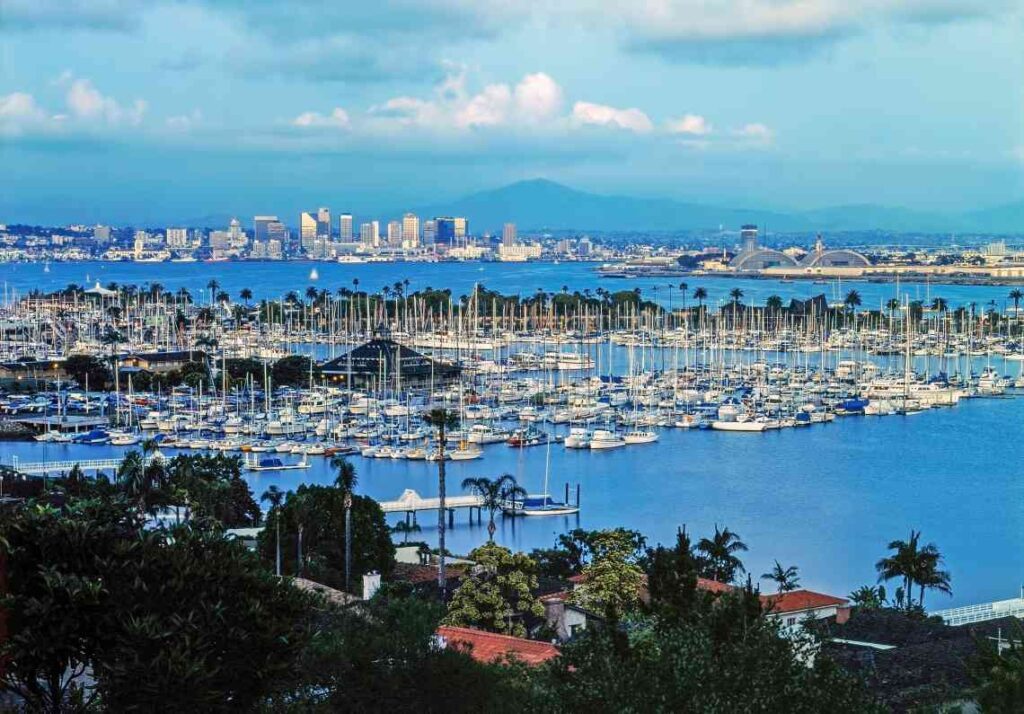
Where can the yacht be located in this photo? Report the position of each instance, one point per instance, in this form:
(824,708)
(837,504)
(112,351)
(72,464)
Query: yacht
(487,434)
(640,437)
(605,439)
(578,438)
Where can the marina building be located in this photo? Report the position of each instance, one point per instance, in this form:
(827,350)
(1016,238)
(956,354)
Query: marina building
(383,363)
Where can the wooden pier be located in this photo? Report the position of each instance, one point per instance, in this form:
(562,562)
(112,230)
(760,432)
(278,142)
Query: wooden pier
(410,503)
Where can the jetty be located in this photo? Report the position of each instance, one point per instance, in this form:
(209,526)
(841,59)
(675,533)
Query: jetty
(410,503)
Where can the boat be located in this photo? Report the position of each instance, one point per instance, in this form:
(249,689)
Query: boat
(528,437)
(578,438)
(123,438)
(487,434)
(640,437)
(272,463)
(542,504)
(605,439)
(96,436)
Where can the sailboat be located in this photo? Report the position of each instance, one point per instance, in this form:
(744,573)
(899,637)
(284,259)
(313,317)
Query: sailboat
(542,504)
(314,275)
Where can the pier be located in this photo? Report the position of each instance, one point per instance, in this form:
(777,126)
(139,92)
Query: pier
(411,502)
(59,468)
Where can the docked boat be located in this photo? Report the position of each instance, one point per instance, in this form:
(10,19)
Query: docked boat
(528,437)
(640,437)
(606,439)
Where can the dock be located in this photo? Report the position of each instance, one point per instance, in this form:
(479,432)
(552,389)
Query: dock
(61,468)
(410,503)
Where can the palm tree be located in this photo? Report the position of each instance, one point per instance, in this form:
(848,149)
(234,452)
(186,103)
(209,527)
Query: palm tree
(720,552)
(940,305)
(700,295)
(493,493)
(441,419)
(246,295)
(787,579)
(852,300)
(915,565)
(773,303)
(892,306)
(346,481)
(300,502)
(1016,295)
(735,294)
(405,528)
(901,563)
(212,285)
(275,497)
(868,597)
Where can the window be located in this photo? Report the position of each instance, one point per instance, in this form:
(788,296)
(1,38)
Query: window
(790,621)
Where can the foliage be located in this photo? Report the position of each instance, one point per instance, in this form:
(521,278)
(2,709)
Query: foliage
(612,580)
(914,564)
(83,368)
(999,676)
(321,512)
(181,619)
(497,592)
(575,549)
(293,371)
(494,493)
(786,579)
(868,597)
(718,559)
(672,578)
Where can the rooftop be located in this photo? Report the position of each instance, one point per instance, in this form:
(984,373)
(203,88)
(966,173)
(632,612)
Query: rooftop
(489,647)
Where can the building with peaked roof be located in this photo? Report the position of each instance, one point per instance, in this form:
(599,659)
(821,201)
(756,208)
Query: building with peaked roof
(384,363)
(488,647)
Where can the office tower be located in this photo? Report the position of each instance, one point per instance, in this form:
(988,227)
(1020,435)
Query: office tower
(748,237)
(452,230)
(369,234)
(177,238)
(139,244)
(323,222)
(345,227)
(101,234)
(274,250)
(429,231)
(236,236)
(394,233)
(410,230)
(263,227)
(508,234)
(220,240)
(307,230)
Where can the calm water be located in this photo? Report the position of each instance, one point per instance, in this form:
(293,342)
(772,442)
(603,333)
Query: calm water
(827,498)
(274,279)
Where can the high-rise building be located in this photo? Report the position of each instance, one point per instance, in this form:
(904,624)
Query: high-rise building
(748,237)
(266,227)
(410,230)
(101,234)
(177,238)
(394,233)
(508,234)
(452,230)
(307,230)
(345,227)
(236,236)
(369,234)
(323,222)
(429,231)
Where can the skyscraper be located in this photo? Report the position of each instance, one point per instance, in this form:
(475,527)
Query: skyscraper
(508,234)
(394,233)
(429,231)
(101,234)
(452,230)
(345,227)
(748,237)
(369,234)
(307,230)
(177,237)
(410,230)
(323,223)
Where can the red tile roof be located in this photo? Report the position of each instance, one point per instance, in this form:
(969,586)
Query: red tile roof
(713,586)
(489,646)
(799,600)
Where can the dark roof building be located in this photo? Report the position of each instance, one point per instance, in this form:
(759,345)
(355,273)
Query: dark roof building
(384,363)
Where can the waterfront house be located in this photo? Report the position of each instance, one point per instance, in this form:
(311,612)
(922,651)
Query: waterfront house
(162,362)
(383,363)
(31,373)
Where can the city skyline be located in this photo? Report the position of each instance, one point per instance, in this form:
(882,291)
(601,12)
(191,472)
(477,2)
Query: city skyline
(759,105)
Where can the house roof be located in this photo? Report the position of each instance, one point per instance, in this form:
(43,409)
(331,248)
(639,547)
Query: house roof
(800,600)
(488,646)
(169,356)
(385,356)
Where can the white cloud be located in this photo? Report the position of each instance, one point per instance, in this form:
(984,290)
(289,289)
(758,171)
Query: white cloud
(488,108)
(337,119)
(86,103)
(184,122)
(692,124)
(755,132)
(603,115)
(538,97)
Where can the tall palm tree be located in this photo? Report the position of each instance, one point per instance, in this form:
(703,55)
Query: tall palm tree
(852,300)
(212,285)
(940,305)
(275,497)
(441,419)
(720,551)
(786,579)
(405,529)
(346,481)
(700,295)
(914,564)
(246,295)
(1016,295)
(735,294)
(301,505)
(773,303)
(892,306)
(494,493)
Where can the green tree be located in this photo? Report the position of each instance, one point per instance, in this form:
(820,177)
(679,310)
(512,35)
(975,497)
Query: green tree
(718,555)
(346,482)
(87,369)
(773,303)
(497,593)
(700,295)
(1016,295)
(611,581)
(786,579)
(494,493)
(868,597)
(672,578)
(293,371)
(275,497)
(914,564)
(999,675)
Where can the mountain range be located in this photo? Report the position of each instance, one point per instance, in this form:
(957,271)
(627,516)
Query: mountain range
(540,204)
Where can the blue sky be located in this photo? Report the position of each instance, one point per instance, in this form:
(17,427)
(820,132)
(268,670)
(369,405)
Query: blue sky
(132,111)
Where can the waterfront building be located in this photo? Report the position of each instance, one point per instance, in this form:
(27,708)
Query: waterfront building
(101,234)
(429,231)
(237,238)
(519,253)
(307,230)
(177,238)
(369,234)
(452,230)
(323,223)
(394,233)
(162,362)
(820,257)
(269,227)
(383,363)
(345,234)
(753,257)
(508,234)
(410,230)
(275,250)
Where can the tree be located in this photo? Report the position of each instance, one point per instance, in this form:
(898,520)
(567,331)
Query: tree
(672,578)
(611,581)
(773,303)
(275,497)
(892,306)
(497,593)
(183,620)
(575,549)
(736,294)
(914,564)
(442,420)
(718,555)
(346,481)
(494,493)
(246,295)
(940,305)
(999,675)
(87,369)
(1016,295)
(700,295)
(405,529)
(852,302)
(785,579)
(868,597)
(292,371)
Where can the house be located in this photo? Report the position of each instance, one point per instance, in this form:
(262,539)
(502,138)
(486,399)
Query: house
(488,647)
(162,362)
(797,606)
(564,618)
(31,372)
(383,362)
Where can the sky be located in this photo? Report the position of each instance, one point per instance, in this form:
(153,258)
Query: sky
(149,112)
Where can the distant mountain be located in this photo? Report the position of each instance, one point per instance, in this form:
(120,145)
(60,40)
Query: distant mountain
(540,204)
